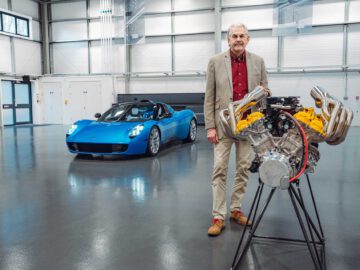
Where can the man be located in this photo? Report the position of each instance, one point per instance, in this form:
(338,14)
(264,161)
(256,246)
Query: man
(230,75)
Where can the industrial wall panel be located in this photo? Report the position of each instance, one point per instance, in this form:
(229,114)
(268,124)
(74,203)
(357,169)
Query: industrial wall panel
(354,11)
(157,24)
(194,22)
(193,52)
(190,4)
(36,31)
(328,12)
(245,3)
(118,27)
(5,54)
(27,57)
(354,45)
(262,43)
(314,49)
(95,28)
(153,55)
(95,57)
(168,85)
(118,7)
(4,4)
(117,57)
(26,7)
(94,8)
(354,96)
(70,58)
(254,17)
(68,10)
(301,84)
(65,31)
(157,5)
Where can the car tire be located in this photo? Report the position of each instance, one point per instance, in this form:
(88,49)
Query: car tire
(153,145)
(191,137)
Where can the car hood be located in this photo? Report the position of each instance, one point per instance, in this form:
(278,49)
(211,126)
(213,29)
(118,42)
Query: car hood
(102,132)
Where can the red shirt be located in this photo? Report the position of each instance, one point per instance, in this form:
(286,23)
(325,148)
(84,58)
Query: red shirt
(239,76)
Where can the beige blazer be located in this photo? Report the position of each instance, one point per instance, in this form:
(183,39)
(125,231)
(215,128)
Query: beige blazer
(219,87)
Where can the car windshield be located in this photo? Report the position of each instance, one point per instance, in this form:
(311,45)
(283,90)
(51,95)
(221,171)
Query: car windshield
(129,112)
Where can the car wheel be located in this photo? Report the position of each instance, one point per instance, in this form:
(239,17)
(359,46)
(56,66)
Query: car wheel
(153,142)
(192,131)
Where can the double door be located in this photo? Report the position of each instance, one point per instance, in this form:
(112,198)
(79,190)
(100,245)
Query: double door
(16,103)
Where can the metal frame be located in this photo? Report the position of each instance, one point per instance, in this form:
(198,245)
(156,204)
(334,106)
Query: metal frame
(218,8)
(13,106)
(313,232)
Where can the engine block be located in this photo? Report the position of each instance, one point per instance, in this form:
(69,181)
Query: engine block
(284,134)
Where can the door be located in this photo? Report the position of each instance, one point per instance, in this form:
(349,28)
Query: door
(22,103)
(7,103)
(16,103)
(84,100)
(53,113)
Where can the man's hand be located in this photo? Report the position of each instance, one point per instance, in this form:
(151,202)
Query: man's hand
(212,136)
(268,92)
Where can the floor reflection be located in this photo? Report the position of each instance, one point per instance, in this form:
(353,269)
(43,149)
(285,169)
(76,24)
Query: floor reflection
(141,176)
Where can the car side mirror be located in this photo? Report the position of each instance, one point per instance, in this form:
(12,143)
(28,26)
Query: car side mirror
(167,115)
(97,115)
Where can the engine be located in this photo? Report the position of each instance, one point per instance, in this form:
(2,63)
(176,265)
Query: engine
(284,134)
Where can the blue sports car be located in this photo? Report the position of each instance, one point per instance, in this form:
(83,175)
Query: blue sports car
(132,128)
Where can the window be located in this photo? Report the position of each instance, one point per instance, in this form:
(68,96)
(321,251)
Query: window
(9,23)
(14,24)
(22,27)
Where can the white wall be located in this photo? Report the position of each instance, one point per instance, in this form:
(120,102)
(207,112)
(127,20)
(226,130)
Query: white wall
(27,53)
(4,4)
(64,100)
(190,52)
(26,7)
(5,54)
(27,57)
(70,58)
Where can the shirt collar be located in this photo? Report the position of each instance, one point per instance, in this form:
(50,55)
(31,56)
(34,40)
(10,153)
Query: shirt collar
(240,58)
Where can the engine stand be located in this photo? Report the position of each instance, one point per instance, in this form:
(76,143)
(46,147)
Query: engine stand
(313,234)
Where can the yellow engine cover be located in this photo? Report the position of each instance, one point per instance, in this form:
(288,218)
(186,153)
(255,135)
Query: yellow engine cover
(251,118)
(312,120)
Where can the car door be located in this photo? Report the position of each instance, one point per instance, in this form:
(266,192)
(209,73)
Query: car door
(166,123)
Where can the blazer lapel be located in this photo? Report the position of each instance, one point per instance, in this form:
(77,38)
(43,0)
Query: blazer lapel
(228,69)
(250,70)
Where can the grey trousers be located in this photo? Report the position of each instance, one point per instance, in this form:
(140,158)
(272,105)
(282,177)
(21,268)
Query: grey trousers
(221,162)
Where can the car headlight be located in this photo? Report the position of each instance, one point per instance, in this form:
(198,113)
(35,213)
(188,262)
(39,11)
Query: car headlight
(136,131)
(72,129)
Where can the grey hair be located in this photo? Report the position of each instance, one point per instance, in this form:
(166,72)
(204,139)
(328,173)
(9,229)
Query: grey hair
(237,25)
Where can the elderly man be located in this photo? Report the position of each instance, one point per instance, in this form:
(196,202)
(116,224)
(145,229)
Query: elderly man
(230,76)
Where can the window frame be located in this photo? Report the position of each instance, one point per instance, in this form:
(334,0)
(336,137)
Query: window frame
(27,19)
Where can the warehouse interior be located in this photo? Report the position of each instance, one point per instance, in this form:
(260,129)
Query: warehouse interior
(65,60)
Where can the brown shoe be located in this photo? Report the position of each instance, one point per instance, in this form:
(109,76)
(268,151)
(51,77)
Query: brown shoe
(240,218)
(217,226)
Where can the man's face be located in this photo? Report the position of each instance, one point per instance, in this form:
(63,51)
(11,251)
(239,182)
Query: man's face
(238,40)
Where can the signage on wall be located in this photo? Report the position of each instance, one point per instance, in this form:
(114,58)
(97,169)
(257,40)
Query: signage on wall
(292,17)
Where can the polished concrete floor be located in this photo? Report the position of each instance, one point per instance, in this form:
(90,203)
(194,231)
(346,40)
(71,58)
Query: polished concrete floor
(62,212)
